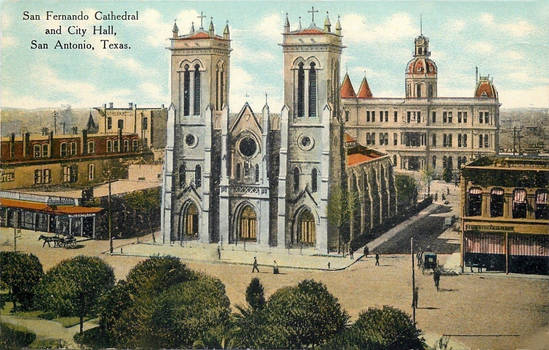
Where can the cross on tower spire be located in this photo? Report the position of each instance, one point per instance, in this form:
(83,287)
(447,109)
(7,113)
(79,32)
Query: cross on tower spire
(312,12)
(421,24)
(201,19)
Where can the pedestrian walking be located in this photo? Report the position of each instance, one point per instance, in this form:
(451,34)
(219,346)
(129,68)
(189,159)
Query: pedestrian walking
(377,259)
(436,277)
(218,252)
(328,265)
(366,251)
(447,190)
(275,268)
(255,268)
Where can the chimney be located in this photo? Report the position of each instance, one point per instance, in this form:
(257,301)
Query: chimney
(50,142)
(130,105)
(63,127)
(111,105)
(26,142)
(476,75)
(75,130)
(45,131)
(104,106)
(84,141)
(162,106)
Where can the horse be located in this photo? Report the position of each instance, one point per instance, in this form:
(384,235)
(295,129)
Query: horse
(48,239)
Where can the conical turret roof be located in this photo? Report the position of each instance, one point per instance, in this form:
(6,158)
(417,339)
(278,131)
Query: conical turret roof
(347,90)
(364,91)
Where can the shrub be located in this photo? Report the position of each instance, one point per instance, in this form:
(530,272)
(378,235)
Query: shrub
(254,294)
(447,175)
(15,337)
(20,272)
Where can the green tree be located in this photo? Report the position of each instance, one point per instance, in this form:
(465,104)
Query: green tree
(428,174)
(298,317)
(146,207)
(407,191)
(387,328)
(447,175)
(341,206)
(20,273)
(255,294)
(73,287)
(191,313)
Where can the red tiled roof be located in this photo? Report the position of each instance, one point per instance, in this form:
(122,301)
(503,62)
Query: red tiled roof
(62,209)
(347,90)
(306,31)
(485,89)
(200,35)
(364,91)
(359,158)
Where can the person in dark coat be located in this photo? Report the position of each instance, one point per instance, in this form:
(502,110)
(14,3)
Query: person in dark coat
(255,268)
(436,277)
(366,251)
(377,259)
(275,268)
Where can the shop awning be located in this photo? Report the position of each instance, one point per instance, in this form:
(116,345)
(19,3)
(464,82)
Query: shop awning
(43,207)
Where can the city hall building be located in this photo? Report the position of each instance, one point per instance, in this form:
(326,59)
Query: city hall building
(256,177)
(505,224)
(423,130)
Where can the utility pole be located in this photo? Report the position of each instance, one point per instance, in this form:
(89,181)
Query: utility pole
(110,213)
(413,281)
(514,139)
(15,227)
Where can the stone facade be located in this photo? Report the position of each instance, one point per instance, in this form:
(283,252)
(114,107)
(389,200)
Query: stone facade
(423,130)
(263,179)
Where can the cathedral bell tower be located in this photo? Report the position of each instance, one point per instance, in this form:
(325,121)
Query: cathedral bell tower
(199,82)
(421,71)
(311,156)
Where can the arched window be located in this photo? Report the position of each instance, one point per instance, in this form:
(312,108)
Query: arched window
(248,224)
(182,175)
(444,162)
(256,173)
(238,171)
(198,176)
(450,163)
(186,90)
(430,90)
(296,179)
(418,90)
(312,90)
(542,207)
(300,91)
(464,140)
(480,141)
(314,183)
(475,201)
(519,203)
(221,87)
(459,140)
(496,202)
(217,88)
(196,106)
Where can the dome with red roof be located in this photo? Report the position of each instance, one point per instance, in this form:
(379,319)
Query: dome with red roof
(421,65)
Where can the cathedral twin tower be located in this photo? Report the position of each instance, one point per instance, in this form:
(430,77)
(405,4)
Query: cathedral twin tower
(262,179)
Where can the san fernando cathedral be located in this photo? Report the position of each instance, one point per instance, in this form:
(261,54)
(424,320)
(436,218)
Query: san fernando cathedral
(259,177)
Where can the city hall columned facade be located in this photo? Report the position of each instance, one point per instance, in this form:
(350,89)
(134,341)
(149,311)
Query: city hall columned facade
(264,178)
(422,130)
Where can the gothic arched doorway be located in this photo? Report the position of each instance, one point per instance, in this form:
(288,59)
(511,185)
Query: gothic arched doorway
(247,224)
(306,228)
(188,229)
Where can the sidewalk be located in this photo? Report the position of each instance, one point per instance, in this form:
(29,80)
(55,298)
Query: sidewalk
(244,254)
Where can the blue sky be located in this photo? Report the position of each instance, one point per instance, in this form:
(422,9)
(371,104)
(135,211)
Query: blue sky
(507,39)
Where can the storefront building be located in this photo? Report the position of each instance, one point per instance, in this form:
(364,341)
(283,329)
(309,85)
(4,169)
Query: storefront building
(505,224)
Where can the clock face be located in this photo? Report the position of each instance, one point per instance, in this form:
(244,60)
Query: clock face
(305,142)
(189,140)
(247,147)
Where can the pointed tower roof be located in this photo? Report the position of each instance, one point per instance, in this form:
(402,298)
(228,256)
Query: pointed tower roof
(364,91)
(338,26)
(211,29)
(347,90)
(327,24)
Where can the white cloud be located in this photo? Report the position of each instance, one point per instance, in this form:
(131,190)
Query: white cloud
(154,93)
(525,77)
(481,47)
(154,29)
(82,93)
(513,55)
(517,28)
(537,96)
(270,27)
(242,53)
(357,28)
(456,25)
(243,83)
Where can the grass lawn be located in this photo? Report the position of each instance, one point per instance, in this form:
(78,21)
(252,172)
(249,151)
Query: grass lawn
(68,322)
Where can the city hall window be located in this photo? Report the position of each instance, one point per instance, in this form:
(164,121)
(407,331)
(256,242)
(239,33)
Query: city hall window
(91,172)
(91,147)
(434,162)
(109,146)
(109,123)
(135,145)
(346,116)
(434,140)
(73,148)
(373,116)
(408,116)
(145,123)
(480,141)
(45,150)
(115,146)
(542,204)
(444,117)
(519,203)
(395,116)
(126,145)
(367,116)
(120,124)
(459,117)
(38,176)
(465,117)
(496,202)
(46,178)
(486,118)
(449,117)
(475,202)
(395,139)
(464,140)
(386,116)
(37,151)
(486,140)
(434,117)
(63,149)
